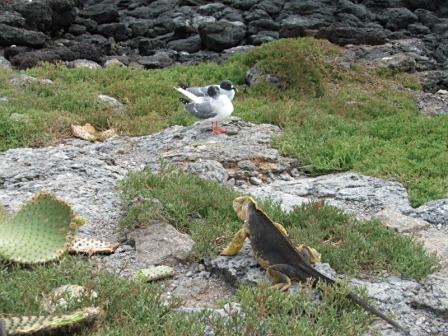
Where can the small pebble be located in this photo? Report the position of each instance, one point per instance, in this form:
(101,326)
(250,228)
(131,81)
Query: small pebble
(255,180)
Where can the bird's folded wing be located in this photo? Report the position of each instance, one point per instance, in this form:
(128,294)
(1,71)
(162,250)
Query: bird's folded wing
(198,91)
(203,110)
(190,96)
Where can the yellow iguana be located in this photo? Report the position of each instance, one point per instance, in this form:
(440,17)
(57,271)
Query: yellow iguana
(276,253)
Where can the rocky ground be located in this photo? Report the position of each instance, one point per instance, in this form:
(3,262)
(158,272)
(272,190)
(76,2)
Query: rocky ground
(156,34)
(86,175)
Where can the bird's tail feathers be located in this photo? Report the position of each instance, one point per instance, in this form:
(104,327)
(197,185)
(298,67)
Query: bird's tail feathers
(183,85)
(189,95)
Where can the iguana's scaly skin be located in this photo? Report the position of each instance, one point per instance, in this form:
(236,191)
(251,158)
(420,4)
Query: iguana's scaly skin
(276,253)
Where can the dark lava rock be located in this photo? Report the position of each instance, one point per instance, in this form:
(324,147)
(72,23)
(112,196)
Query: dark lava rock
(263,37)
(161,59)
(358,10)
(11,51)
(273,7)
(256,14)
(153,10)
(192,2)
(163,25)
(101,13)
(33,58)
(49,16)
(230,14)
(210,9)
(191,44)
(342,35)
(349,20)
(37,14)
(77,29)
(148,47)
(418,29)
(63,14)
(303,7)
(433,81)
(244,4)
(441,53)
(88,23)
(141,28)
(380,5)
(98,42)
(426,17)
(441,28)
(221,35)
(182,27)
(398,18)
(66,53)
(433,5)
(12,35)
(262,24)
(295,26)
(116,30)
(12,18)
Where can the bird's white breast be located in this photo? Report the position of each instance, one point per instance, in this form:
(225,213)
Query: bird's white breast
(224,107)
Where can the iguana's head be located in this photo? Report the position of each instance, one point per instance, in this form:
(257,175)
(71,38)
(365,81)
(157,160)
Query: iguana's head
(240,206)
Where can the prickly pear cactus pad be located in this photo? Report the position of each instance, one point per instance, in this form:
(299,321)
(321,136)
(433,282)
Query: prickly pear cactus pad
(39,232)
(92,246)
(29,325)
(153,273)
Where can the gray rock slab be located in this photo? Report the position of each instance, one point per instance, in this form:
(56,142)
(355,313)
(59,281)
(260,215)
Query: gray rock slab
(110,102)
(161,244)
(360,195)
(435,241)
(198,291)
(4,63)
(434,212)
(23,81)
(400,223)
(209,170)
(434,293)
(83,63)
(433,104)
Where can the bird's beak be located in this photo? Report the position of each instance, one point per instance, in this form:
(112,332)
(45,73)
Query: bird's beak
(234,88)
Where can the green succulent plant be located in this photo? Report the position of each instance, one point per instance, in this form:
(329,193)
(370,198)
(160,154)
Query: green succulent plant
(29,325)
(39,232)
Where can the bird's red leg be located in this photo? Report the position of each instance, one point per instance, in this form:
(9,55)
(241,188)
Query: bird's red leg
(219,130)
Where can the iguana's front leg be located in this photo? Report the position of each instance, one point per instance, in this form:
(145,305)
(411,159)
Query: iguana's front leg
(236,244)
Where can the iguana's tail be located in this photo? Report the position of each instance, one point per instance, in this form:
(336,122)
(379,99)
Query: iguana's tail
(356,299)
(311,271)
